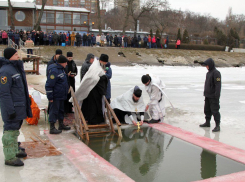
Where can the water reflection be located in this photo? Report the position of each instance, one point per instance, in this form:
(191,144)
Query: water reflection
(208,159)
(150,155)
(138,152)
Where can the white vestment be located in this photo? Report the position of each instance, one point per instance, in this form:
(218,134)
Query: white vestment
(156,94)
(90,79)
(125,102)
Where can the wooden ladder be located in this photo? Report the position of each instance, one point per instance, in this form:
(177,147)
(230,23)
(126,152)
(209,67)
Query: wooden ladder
(84,130)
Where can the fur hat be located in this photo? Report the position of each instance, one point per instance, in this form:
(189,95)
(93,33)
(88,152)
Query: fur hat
(104,58)
(69,54)
(58,51)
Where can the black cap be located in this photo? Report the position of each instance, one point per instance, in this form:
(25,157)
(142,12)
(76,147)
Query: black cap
(145,79)
(58,51)
(9,52)
(62,59)
(69,54)
(137,91)
(104,57)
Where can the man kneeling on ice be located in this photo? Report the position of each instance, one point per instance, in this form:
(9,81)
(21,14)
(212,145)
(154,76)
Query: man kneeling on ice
(154,87)
(130,103)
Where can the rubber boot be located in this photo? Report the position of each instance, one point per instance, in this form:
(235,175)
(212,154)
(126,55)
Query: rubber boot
(10,147)
(63,127)
(21,148)
(14,162)
(205,124)
(216,129)
(53,130)
(21,154)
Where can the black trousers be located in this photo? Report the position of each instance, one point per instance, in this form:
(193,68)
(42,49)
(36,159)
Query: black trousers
(56,111)
(120,115)
(212,107)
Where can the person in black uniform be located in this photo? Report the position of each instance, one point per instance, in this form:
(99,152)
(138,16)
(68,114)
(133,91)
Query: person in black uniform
(71,71)
(14,98)
(57,88)
(212,91)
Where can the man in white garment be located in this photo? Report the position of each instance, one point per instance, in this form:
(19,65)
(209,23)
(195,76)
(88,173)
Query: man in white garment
(154,87)
(131,105)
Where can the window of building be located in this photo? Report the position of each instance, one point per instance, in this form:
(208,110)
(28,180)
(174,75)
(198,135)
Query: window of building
(3,17)
(84,18)
(55,2)
(50,17)
(82,3)
(44,20)
(76,19)
(59,18)
(20,16)
(67,18)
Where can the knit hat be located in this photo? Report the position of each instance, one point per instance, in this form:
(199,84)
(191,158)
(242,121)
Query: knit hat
(62,59)
(145,78)
(137,91)
(9,52)
(104,57)
(58,51)
(69,54)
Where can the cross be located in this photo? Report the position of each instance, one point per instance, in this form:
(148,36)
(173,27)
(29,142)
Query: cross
(136,110)
(138,124)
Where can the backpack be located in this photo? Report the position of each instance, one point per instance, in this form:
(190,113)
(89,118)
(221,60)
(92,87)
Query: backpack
(35,113)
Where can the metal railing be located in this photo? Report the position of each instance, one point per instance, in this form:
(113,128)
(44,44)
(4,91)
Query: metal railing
(21,44)
(12,44)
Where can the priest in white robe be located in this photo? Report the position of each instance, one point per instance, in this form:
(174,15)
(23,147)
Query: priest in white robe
(154,87)
(129,106)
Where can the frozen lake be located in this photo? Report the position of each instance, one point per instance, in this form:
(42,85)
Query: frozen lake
(184,87)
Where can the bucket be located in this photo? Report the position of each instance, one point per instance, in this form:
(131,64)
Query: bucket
(63,44)
(37,97)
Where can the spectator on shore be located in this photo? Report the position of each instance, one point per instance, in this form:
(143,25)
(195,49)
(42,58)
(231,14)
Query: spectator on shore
(178,44)
(72,38)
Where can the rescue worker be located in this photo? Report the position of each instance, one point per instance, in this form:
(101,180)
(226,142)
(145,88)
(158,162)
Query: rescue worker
(57,89)
(14,96)
(212,91)
(54,59)
(154,87)
(71,71)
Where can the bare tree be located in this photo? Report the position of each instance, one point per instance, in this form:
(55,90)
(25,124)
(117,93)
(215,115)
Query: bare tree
(98,16)
(11,15)
(128,8)
(161,19)
(145,9)
(40,15)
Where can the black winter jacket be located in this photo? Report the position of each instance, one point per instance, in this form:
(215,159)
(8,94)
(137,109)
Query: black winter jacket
(14,95)
(56,85)
(84,68)
(52,61)
(212,86)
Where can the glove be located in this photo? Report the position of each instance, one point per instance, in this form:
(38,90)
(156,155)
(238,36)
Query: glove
(12,116)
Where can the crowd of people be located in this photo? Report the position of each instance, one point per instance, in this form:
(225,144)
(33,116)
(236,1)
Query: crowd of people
(76,39)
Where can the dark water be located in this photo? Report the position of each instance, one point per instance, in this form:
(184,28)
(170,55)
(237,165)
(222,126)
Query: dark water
(149,155)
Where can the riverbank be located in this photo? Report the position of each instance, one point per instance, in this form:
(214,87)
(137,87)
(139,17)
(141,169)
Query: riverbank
(131,56)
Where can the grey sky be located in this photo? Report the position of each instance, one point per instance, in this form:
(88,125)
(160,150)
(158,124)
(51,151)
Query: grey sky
(215,8)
